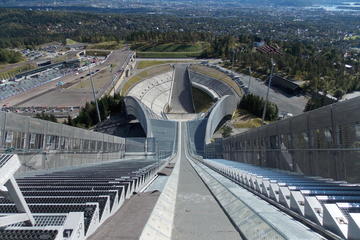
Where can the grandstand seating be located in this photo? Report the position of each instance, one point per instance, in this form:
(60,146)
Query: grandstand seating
(333,205)
(14,88)
(75,201)
(218,86)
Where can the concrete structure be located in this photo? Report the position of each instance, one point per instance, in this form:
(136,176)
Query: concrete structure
(9,165)
(286,85)
(181,100)
(214,87)
(225,107)
(154,92)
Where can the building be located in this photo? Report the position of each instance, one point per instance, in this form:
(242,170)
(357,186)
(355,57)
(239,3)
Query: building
(286,85)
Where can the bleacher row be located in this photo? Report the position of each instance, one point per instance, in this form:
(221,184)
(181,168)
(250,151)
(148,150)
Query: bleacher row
(219,87)
(333,205)
(154,92)
(72,204)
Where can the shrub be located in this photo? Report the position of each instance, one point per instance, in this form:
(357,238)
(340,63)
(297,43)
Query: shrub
(255,105)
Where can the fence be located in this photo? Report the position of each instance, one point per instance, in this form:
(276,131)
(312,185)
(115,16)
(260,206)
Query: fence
(324,142)
(43,144)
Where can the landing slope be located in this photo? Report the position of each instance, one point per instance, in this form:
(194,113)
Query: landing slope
(181,95)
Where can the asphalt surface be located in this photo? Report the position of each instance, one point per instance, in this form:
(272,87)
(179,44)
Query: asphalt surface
(49,95)
(129,221)
(181,95)
(198,216)
(284,101)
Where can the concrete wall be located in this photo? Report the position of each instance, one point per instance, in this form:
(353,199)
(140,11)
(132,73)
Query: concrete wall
(135,108)
(224,107)
(128,68)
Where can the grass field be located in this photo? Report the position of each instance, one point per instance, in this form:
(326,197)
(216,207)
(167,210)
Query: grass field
(243,119)
(111,45)
(150,63)
(97,53)
(218,75)
(70,41)
(65,57)
(202,101)
(168,54)
(354,37)
(12,72)
(169,50)
(143,75)
(168,47)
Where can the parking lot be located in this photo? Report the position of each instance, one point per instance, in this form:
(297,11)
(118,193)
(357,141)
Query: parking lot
(285,102)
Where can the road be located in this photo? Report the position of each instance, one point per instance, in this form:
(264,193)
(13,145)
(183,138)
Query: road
(181,96)
(49,94)
(285,102)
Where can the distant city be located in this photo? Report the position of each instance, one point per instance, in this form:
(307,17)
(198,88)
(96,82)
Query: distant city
(326,4)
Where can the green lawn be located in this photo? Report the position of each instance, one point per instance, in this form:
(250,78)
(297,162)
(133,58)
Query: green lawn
(202,101)
(168,50)
(110,45)
(251,123)
(243,119)
(168,54)
(150,63)
(12,72)
(352,37)
(70,41)
(168,47)
(97,53)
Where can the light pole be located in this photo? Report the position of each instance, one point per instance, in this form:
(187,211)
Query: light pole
(93,90)
(268,89)
(249,78)
(233,58)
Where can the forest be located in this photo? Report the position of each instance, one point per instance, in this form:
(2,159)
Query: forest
(319,69)
(311,51)
(9,56)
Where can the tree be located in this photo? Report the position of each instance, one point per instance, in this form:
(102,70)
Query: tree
(88,115)
(9,56)
(317,102)
(47,117)
(339,93)
(256,104)
(226,131)
(69,121)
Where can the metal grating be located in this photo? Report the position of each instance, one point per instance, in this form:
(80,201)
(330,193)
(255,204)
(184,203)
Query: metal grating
(44,221)
(28,234)
(97,191)
(4,158)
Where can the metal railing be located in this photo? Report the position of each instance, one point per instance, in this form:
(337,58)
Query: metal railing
(42,144)
(323,142)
